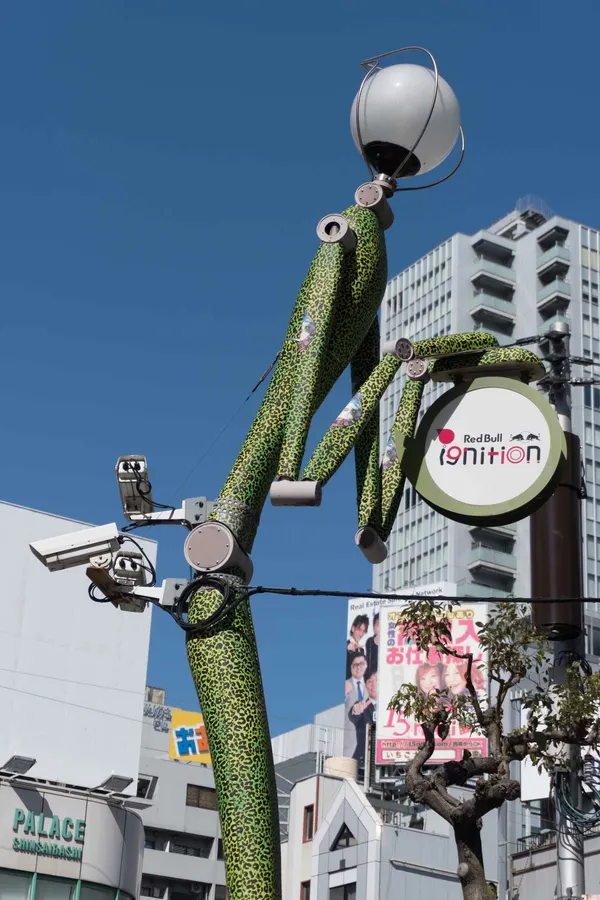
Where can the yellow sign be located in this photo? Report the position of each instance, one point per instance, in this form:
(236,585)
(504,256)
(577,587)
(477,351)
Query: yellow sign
(187,741)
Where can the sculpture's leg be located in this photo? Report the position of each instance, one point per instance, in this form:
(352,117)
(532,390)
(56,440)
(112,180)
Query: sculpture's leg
(226,672)
(224,661)
(366,451)
(338,441)
(392,476)
(311,350)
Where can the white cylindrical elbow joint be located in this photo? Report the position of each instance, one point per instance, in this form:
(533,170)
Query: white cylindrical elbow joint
(401,347)
(371,545)
(295,493)
(371,195)
(335,230)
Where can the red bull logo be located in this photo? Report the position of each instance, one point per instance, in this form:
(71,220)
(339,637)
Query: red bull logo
(453,453)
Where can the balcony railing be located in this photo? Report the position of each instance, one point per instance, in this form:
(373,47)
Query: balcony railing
(472,589)
(482,556)
(555,287)
(554,254)
(485,305)
(485,268)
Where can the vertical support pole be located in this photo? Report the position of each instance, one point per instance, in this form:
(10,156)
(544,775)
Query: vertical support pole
(556,572)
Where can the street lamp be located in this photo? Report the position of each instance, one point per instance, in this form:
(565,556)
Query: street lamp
(405,119)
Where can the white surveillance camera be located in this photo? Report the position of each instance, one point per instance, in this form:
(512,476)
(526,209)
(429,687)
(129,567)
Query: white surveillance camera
(134,486)
(128,568)
(76,549)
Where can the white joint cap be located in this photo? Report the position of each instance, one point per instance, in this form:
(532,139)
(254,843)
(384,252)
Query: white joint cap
(295,493)
(371,545)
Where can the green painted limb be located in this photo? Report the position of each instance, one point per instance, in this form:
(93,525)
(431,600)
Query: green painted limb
(242,498)
(225,668)
(361,292)
(392,476)
(337,443)
(531,365)
(321,299)
(366,448)
(455,343)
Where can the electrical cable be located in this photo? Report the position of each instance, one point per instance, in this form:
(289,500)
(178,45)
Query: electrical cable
(230,601)
(262,378)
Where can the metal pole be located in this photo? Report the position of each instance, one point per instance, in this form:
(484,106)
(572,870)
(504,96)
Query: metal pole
(556,571)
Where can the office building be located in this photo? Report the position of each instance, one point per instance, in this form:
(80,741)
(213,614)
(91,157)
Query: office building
(512,279)
(71,689)
(183,855)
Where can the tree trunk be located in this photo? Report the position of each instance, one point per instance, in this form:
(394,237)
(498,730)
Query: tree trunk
(470,861)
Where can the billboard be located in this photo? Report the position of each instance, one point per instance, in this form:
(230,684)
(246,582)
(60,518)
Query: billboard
(362,640)
(398,736)
(187,737)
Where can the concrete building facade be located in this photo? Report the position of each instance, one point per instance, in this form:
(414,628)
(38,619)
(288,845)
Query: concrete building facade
(183,855)
(512,279)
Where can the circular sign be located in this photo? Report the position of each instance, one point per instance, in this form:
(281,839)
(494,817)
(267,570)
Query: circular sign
(488,449)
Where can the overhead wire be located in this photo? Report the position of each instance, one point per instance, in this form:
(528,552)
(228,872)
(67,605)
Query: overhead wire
(220,434)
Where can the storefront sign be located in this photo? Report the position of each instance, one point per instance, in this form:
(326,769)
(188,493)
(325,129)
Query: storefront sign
(188,741)
(44,835)
(487,451)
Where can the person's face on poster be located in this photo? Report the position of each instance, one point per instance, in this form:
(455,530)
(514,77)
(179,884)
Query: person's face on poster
(358,667)
(454,679)
(429,680)
(358,633)
(371,686)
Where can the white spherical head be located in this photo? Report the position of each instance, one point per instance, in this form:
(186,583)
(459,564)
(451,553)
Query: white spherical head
(394,106)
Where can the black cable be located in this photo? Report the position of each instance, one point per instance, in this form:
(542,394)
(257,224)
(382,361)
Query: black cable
(151,568)
(310,592)
(93,597)
(227,424)
(229,602)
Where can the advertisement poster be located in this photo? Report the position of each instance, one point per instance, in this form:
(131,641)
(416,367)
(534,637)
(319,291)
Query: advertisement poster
(362,662)
(188,741)
(398,736)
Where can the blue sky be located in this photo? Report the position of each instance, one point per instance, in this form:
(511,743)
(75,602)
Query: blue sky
(164,166)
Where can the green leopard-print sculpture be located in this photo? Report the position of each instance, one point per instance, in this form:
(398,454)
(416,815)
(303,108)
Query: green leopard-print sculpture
(333,324)
(336,308)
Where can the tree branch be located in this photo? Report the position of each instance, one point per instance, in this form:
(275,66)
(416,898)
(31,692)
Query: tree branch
(420,787)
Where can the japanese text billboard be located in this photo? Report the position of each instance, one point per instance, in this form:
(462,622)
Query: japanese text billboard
(188,741)
(362,662)
(398,736)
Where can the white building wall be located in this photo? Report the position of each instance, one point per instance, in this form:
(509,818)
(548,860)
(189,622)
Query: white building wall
(72,672)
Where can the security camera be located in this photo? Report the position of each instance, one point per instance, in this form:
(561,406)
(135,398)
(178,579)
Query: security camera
(77,549)
(134,486)
(128,568)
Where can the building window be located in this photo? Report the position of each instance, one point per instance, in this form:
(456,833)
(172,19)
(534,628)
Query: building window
(149,844)
(309,823)
(305,890)
(146,786)
(343,892)
(221,892)
(197,890)
(344,839)
(202,797)
(220,854)
(151,889)
(14,886)
(200,846)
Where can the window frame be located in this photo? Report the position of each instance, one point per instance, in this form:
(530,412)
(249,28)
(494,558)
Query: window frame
(305,890)
(309,817)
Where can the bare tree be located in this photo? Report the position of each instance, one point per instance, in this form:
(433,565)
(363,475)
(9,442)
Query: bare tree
(558,716)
